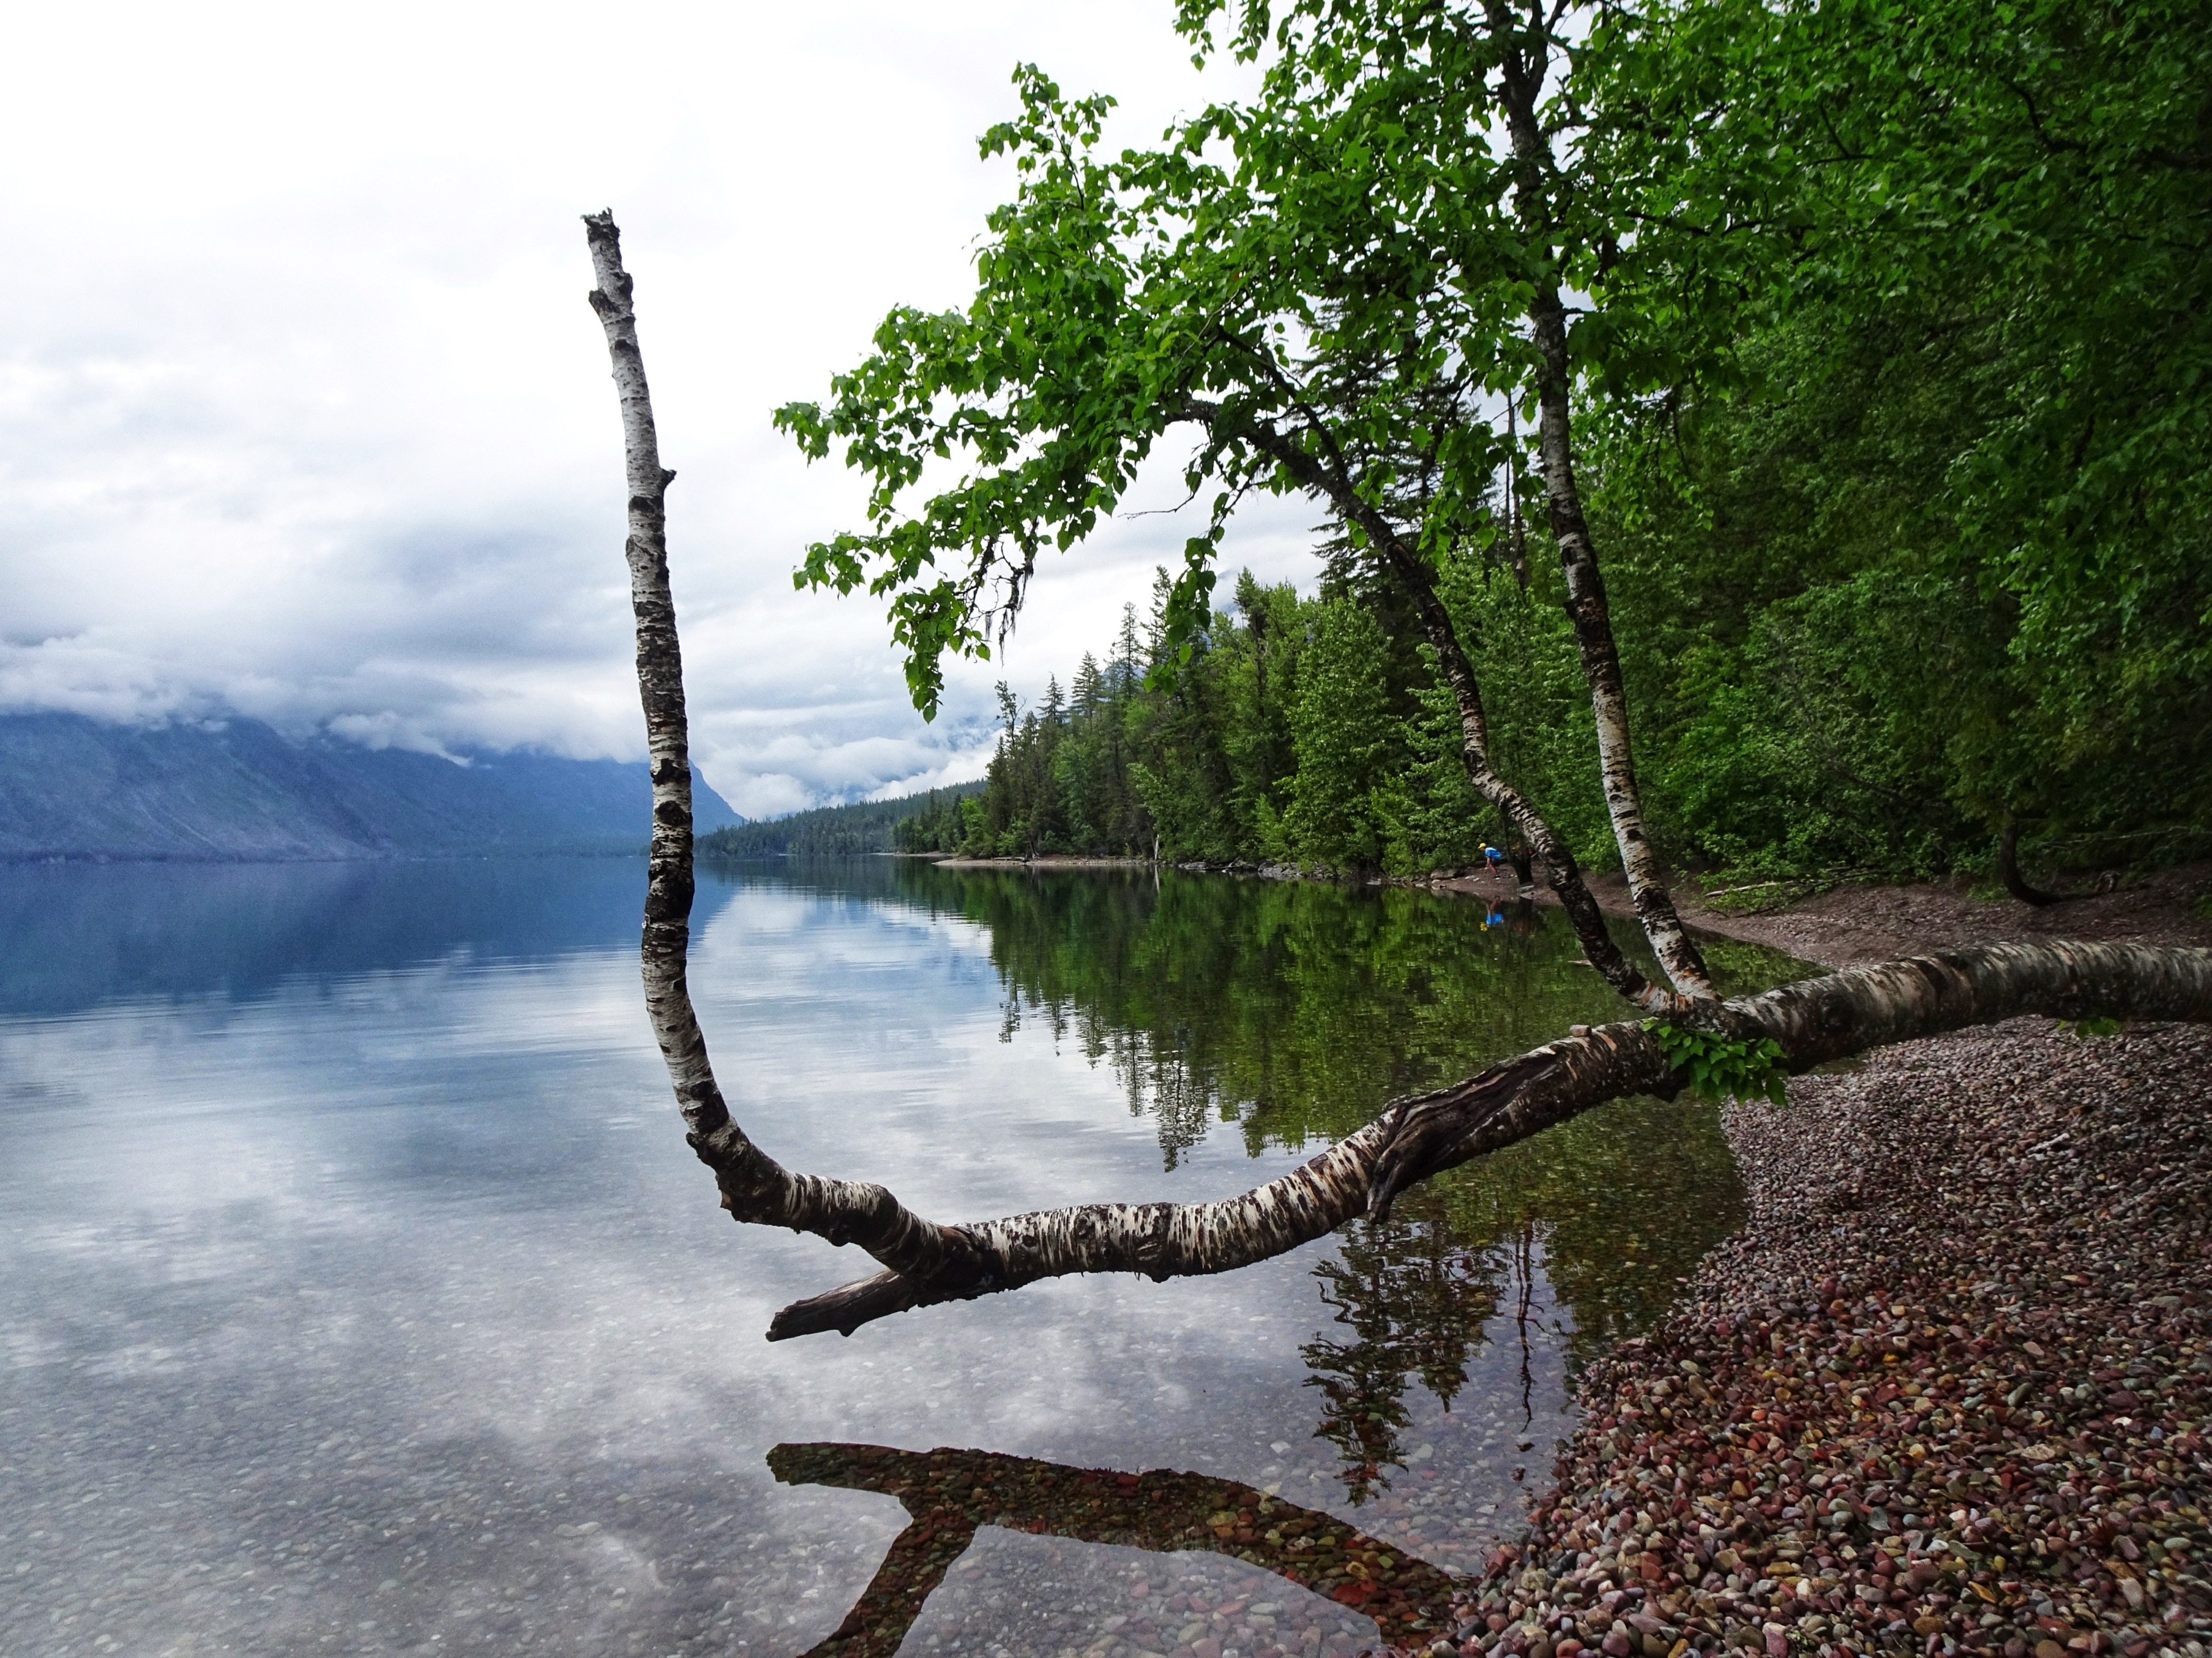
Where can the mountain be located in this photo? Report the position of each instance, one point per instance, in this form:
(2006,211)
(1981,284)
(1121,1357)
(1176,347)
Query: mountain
(74,788)
(863,827)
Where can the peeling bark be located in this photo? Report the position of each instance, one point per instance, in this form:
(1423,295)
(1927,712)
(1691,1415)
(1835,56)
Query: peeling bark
(1586,606)
(755,1187)
(948,1495)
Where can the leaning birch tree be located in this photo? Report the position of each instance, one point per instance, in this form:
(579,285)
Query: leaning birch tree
(1328,293)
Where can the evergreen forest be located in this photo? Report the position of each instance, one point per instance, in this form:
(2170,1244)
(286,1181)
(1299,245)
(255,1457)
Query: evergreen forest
(863,827)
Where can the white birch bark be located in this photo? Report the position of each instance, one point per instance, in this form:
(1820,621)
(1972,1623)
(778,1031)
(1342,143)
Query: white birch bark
(1415,1137)
(1330,480)
(1814,1021)
(1522,77)
(755,1187)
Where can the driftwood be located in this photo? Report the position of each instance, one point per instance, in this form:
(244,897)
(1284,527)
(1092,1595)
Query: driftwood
(927,1261)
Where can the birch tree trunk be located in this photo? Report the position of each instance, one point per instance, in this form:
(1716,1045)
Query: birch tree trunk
(1814,1021)
(926,1262)
(1522,77)
(754,1186)
(1327,477)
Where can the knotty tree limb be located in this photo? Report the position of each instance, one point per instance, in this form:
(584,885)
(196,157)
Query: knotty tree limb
(1814,1021)
(754,1186)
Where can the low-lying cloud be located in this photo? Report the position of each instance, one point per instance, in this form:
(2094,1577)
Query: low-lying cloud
(304,417)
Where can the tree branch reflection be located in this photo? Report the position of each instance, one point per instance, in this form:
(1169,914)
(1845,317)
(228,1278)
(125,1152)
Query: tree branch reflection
(948,1494)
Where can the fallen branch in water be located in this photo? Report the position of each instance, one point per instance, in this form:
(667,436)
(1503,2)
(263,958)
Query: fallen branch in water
(1812,1021)
(926,1261)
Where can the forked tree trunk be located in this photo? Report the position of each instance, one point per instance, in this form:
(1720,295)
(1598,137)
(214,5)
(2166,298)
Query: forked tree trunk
(1814,1021)
(1330,480)
(1521,75)
(1561,869)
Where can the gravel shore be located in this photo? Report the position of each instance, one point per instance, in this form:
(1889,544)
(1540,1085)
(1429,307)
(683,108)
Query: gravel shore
(1847,924)
(1947,1392)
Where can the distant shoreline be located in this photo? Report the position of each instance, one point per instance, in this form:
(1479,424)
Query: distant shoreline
(1050,862)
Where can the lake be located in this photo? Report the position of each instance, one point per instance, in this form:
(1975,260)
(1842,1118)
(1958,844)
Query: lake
(359,1294)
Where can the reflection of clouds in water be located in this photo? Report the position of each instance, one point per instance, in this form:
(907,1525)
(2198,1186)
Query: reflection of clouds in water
(406,1277)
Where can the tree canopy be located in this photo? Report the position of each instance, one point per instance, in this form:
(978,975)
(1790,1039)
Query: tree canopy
(1789,308)
(1885,334)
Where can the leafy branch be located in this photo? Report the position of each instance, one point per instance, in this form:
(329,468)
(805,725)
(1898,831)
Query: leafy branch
(1723,1067)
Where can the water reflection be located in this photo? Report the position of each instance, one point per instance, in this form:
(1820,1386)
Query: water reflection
(1610,1211)
(360,1293)
(1291,1011)
(1294,1009)
(74,937)
(1415,1303)
(950,1495)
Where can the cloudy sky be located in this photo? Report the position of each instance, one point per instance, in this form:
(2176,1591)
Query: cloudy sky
(302,413)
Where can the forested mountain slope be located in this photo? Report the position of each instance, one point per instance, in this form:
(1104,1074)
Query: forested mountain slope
(865,826)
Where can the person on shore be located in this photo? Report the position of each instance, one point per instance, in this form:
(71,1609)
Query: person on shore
(1492,858)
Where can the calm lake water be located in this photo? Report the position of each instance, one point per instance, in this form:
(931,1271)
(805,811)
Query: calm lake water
(358,1293)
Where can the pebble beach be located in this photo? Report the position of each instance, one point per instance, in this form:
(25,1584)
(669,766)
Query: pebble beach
(1945,1393)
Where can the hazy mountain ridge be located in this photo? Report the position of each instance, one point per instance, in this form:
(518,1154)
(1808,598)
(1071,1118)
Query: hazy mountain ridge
(71,786)
(858,827)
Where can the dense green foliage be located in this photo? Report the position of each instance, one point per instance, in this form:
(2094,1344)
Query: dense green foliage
(1890,340)
(832,831)
(1286,730)
(1930,545)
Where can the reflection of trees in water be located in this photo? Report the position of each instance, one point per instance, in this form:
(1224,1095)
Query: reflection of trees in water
(1160,1075)
(1297,1009)
(1624,1201)
(1415,1303)
(1619,1204)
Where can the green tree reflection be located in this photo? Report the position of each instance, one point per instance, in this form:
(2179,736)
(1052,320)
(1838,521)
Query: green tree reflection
(1291,1012)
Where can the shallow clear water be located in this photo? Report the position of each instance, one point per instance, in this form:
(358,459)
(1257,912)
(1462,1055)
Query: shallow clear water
(358,1293)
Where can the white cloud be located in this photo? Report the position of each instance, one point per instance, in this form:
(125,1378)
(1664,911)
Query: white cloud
(304,414)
